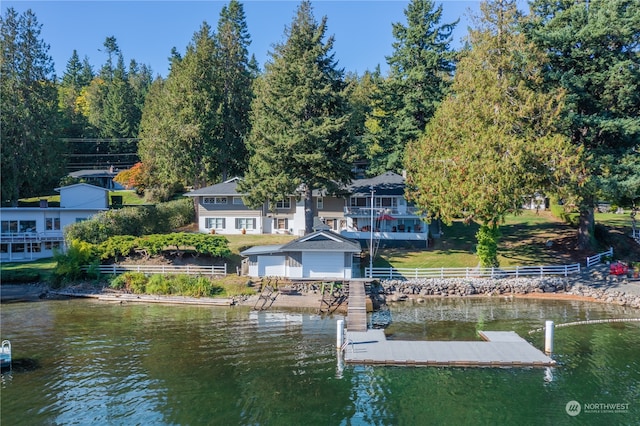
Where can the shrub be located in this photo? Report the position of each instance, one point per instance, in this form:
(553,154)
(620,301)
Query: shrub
(487,248)
(69,264)
(159,284)
(133,282)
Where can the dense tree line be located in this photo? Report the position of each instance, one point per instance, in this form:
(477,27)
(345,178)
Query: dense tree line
(541,102)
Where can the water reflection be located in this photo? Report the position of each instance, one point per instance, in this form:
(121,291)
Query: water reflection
(138,364)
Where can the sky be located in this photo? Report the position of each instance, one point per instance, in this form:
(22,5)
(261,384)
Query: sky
(147,30)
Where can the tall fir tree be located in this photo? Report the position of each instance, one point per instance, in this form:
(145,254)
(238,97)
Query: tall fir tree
(593,53)
(421,68)
(32,160)
(493,142)
(299,141)
(235,79)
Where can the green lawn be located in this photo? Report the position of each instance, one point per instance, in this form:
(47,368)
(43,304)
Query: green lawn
(523,242)
(16,272)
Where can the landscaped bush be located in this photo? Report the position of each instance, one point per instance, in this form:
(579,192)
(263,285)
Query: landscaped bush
(572,218)
(136,221)
(69,264)
(151,245)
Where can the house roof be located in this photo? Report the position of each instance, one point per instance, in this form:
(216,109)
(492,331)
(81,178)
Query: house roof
(77,185)
(228,187)
(388,183)
(316,241)
(92,173)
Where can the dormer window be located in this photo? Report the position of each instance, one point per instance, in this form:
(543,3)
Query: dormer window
(214,200)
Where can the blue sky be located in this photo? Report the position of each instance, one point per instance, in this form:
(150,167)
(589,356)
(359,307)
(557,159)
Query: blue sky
(147,30)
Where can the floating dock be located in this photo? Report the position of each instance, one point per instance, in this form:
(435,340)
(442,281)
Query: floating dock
(500,349)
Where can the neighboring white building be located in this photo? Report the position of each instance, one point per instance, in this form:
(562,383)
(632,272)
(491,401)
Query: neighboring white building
(319,255)
(28,233)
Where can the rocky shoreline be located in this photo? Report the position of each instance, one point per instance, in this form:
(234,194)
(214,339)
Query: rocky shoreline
(397,290)
(595,284)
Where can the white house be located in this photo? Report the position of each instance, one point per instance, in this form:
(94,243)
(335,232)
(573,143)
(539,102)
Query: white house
(320,255)
(371,205)
(220,209)
(28,233)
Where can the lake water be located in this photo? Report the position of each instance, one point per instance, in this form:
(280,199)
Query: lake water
(97,363)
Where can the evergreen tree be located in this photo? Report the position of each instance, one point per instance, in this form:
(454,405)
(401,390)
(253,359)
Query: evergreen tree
(32,160)
(593,53)
(299,139)
(180,120)
(75,77)
(493,142)
(235,80)
(421,66)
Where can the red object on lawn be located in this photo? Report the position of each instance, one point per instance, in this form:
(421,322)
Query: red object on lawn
(618,268)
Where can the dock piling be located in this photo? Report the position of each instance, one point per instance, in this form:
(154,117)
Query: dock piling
(548,337)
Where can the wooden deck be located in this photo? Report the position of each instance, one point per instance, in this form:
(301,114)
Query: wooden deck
(357,308)
(501,349)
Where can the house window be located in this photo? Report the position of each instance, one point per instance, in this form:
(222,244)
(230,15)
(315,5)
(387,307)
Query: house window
(331,223)
(245,223)
(214,222)
(9,226)
(320,203)
(238,201)
(214,200)
(283,204)
(52,224)
(386,202)
(80,219)
(358,202)
(27,226)
(280,223)
(50,245)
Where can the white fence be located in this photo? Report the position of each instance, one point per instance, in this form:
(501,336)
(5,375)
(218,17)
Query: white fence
(595,259)
(513,272)
(162,269)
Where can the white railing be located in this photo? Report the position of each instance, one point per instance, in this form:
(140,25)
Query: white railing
(162,269)
(595,259)
(21,237)
(512,272)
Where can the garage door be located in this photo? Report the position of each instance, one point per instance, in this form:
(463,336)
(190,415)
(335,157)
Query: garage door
(271,266)
(323,265)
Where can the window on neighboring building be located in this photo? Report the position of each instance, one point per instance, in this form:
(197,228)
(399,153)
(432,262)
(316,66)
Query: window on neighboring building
(27,226)
(280,223)
(214,222)
(320,203)
(9,226)
(214,200)
(52,224)
(283,204)
(238,201)
(50,245)
(245,223)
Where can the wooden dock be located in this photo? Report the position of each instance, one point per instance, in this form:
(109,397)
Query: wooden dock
(500,349)
(357,308)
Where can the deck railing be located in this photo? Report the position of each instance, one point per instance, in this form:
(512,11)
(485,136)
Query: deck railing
(512,272)
(214,270)
(595,259)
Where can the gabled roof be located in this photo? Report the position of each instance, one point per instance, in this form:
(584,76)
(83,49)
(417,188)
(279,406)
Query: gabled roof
(228,187)
(388,183)
(87,185)
(316,241)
